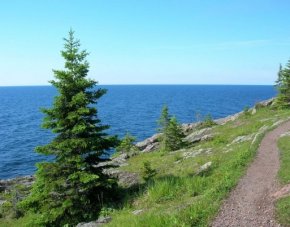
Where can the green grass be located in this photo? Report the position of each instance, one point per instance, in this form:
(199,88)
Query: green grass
(283,204)
(176,196)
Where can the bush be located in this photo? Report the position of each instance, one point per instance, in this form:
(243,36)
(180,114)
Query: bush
(247,111)
(207,122)
(127,144)
(148,172)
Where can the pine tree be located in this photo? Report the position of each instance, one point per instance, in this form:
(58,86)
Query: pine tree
(72,187)
(127,144)
(171,132)
(174,135)
(283,86)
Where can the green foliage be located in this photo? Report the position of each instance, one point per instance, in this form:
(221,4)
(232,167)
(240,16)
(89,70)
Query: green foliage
(127,144)
(177,196)
(172,133)
(164,119)
(284,148)
(148,172)
(283,86)
(207,122)
(246,111)
(283,205)
(71,189)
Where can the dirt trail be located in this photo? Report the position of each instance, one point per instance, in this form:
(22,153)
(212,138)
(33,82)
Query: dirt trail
(251,203)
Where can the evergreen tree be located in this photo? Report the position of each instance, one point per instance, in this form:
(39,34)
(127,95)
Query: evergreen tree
(164,119)
(171,132)
(72,187)
(174,135)
(283,86)
(127,144)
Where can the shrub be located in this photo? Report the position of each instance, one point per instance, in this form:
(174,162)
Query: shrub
(148,172)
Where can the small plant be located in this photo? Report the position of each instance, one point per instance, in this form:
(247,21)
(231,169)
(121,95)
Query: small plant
(259,106)
(177,157)
(127,144)
(247,111)
(148,172)
(207,122)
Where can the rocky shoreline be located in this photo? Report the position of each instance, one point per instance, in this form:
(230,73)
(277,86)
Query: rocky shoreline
(148,145)
(193,133)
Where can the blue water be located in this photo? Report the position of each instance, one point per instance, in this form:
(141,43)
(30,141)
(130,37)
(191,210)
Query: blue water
(126,108)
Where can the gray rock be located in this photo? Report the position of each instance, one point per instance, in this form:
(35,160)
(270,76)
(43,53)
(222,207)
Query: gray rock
(204,168)
(136,212)
(143,144)
(127,179)
(227,119)
(194,153)
(241,139)
(267,102)
(254,111)
(2,202)
(189,127)
(151,147)
(285,134)
(26,181)
(200,135)
(101,221)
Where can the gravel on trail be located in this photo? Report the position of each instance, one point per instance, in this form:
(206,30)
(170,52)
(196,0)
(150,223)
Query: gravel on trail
(251,203)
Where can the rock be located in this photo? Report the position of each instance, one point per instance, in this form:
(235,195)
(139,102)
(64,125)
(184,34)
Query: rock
(285,134)
(241,139)
(2,202)
(120,160)
(26,181)
(127,179)
(151,147)
(101,221)
(254,111)
(200,135)
(227,119)
(189,127)
(204,168)
(143,144)
(278,123)
(136,212)
(194,153)
(267,102)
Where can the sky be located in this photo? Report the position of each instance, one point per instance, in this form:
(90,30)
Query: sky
(147,41)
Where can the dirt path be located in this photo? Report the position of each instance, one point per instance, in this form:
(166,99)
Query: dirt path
(250,204)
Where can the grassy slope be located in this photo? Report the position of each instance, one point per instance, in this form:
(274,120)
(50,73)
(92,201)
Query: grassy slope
(283,205)
(176,196)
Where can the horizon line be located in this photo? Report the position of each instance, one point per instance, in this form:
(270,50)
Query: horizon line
(49,85)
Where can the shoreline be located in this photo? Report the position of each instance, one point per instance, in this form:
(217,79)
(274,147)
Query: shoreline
(150,141)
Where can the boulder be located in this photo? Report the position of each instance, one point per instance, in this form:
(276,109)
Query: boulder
(136,212)
(151,147)
(143,144)
(101,221)
(189,127)
(200,135)
(204,168)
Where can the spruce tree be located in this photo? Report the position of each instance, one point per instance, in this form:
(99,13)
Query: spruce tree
(171,132)
(174,135)
(72,187)
(283,86)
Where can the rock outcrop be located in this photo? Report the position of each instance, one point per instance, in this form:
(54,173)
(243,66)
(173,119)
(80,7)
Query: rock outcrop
(199,135)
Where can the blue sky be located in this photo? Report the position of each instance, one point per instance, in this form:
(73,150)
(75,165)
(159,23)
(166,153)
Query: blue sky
(147,42)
